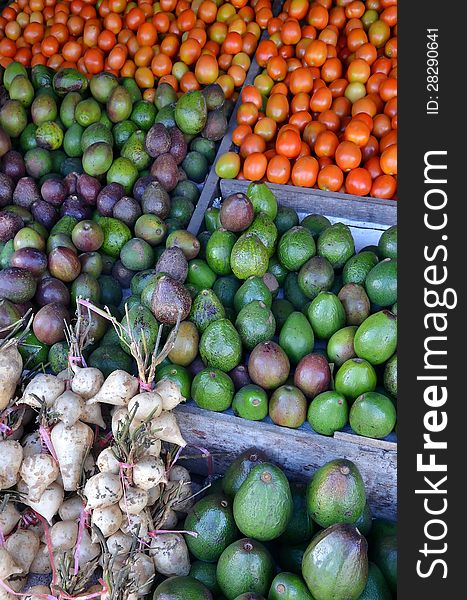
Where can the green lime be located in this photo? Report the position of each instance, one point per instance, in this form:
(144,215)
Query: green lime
(373,415)
(328,413)
(250,402)
(213,390)
(355,377)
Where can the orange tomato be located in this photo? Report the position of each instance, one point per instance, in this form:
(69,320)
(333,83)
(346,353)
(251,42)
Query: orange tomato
(330,178)
(305,171)
(288,143)
(277,107)
(206,69)
(278,170)
(240,133)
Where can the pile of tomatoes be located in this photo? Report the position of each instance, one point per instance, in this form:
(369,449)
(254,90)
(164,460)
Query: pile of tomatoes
(323,112)
(188,44)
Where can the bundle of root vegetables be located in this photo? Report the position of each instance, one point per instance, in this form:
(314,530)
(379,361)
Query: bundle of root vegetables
(89,490)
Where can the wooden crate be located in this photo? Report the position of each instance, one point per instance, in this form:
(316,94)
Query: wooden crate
(298,452)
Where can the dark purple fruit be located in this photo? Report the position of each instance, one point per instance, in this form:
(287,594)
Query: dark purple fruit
(108,198)
(12,164)
(122,274)
(71,181)
(236,212)
(51,290)
(268,365)
(9,314)
(165,169)
(156,200)
(173,262)
(87,236)
(157,140)
(17,285)
(64,264)
(140,185)
(54,191)
(178,145)
(88,188)
(31,259)
(44,213)
(75,207)
(196,366)
(170,300)
(49,323)
(313,375)
(7,187)
(26,193)
(240,376)
(127,210)
(10,224)
(23,307)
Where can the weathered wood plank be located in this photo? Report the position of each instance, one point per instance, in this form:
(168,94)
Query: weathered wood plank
(299,453)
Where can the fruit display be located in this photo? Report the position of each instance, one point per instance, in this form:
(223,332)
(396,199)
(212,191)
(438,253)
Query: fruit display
(292,322)
(323,111)
(185,44)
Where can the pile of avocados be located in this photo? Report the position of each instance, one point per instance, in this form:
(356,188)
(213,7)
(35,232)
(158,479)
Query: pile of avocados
(256,536)
(62,123)
(288,321)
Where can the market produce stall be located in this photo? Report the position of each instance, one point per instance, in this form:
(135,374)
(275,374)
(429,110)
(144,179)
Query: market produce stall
(185,350)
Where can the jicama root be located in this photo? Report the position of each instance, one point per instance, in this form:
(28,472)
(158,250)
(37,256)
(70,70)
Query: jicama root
(46,388)
(107,462)
(71,445)
(11,367)
(153,495)
(64,535)
(92,414)
(9,517)
(142,573)
(23,545)
(154,448)
(49,502)
(86,382)
(103,489)
(108,519)
(88,550)
(170,554)
(119,544)
(11,457)
(170,393)
(119,415)
(134,500)
(71,508)
(117,389)
(148,405)
(165,427)
(32,444)
(8,565)
(148,472)
(68,407)
(169,520)
(136,525)
(38,472)
(41,563)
